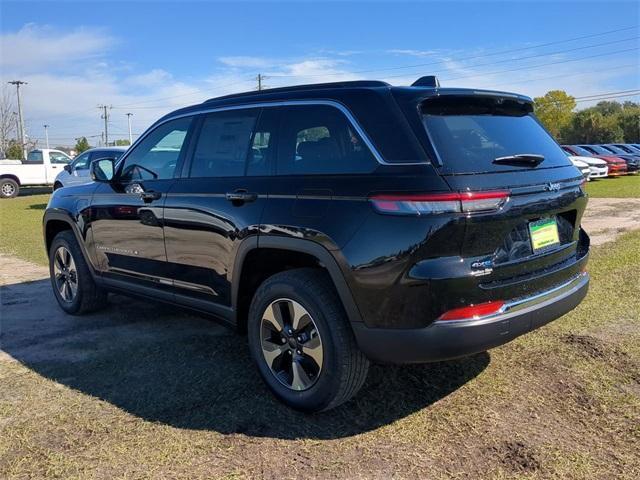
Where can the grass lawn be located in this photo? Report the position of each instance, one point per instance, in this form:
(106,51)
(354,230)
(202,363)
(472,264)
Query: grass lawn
(21,227)
(143,392)
(615,187)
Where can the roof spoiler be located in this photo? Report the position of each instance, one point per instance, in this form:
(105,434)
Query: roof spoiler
(427,81)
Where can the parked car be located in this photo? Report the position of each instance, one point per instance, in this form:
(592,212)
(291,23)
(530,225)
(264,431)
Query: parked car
(597,168)
(628,148)
(77,172)
(360,222)
(633,160)
(582,166)
(617,166)
(40,168)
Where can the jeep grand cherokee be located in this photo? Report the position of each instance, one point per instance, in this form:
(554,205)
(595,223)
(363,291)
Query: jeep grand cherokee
(336,224)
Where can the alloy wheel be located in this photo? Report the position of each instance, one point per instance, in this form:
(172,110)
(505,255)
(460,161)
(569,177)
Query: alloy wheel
(291,344)
(65,274)
(8,189)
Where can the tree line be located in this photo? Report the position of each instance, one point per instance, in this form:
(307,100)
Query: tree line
(605,122)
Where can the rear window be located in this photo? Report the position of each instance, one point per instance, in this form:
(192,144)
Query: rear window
(469,133)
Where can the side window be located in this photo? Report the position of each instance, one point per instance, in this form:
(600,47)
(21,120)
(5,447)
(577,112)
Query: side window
(223,143)
(156,157)
(58,158)
(263,144)
(81,162)
(34,157)
(319,139)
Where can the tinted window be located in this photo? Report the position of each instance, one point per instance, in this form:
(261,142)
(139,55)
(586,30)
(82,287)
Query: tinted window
(319,139)
(596,149)
(263,144)
(581,151)
(34,157)
(58,157)
(81,162)
(470,133)
(97,154)
(223,143)
(156,156)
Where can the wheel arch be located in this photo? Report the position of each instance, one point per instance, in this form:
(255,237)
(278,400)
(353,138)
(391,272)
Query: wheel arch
(12,177)
(296,252)
(57,221)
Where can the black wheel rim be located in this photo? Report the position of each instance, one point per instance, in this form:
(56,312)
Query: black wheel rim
(65,274)
(291,344)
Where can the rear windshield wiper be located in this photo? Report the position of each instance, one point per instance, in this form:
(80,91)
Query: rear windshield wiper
(520,159)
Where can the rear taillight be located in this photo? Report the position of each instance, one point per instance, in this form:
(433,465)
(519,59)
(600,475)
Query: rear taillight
(473,311)
(429,204)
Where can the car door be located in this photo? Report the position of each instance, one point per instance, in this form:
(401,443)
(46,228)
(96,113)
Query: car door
(126,220)
(79,171)
(216,205)
(57,161)
(33,170)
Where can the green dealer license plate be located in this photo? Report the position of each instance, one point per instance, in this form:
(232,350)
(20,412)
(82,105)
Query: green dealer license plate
(544,234)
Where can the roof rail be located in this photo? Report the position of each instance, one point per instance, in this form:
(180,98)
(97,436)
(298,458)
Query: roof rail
(311,86)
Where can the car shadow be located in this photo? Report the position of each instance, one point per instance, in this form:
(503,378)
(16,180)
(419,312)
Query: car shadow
(164,365)
(38,206)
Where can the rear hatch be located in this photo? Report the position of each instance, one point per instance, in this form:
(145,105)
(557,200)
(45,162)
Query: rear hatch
(531,241)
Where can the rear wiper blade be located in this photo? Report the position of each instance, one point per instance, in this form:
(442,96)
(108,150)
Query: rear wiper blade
(520,159)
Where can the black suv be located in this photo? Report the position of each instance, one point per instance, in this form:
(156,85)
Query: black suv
(336,224)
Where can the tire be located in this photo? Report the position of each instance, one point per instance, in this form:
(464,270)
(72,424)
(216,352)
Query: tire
(56,186)
(9,188)
(86,296)
(342,368)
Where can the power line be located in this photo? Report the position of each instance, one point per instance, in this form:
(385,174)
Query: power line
(531,67)
(195,92)
(562,75)
(473,57)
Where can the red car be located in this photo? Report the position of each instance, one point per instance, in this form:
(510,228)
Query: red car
(617,166)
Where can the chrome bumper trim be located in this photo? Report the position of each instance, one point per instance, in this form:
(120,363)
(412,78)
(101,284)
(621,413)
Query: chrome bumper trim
(522,305)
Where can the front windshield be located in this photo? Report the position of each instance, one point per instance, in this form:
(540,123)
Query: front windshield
(615,149)
(582,151)
(598,149)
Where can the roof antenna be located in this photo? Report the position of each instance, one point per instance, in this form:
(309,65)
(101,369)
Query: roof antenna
(427,81)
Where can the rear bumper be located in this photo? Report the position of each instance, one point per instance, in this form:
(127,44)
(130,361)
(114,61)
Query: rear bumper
(444,340)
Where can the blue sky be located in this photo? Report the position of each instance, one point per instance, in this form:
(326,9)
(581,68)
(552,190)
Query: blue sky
(151,57)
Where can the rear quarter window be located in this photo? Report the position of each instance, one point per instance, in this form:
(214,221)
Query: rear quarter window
(319,139)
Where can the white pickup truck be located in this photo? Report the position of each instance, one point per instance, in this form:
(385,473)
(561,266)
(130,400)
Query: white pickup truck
(40,168)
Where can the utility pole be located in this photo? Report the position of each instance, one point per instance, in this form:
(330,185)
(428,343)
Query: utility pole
(46,134)
(260,78)
(23,144)
(129,121)
(105,117)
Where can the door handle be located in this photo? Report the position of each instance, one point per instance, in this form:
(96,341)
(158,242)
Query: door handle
(150,196)
(241,196)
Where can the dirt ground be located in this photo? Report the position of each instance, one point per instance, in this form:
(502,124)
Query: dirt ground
(606,218)
(147,391)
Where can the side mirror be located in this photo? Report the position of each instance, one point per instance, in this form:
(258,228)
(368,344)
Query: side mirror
(68,168)
(102,169)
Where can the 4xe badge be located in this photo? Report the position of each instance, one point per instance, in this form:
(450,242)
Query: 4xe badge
(482,267)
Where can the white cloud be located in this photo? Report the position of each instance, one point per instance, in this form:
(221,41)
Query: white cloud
(43,57)
(245,62)
(413,53)
(34,47)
